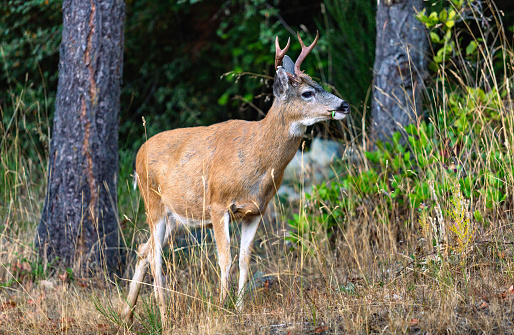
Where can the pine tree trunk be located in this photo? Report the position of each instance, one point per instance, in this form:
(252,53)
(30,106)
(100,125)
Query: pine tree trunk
(78,224)
(400,67)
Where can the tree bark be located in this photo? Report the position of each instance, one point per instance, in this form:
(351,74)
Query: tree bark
(78,225)
(400,67)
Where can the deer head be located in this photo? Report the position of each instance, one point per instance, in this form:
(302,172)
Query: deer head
(305,101)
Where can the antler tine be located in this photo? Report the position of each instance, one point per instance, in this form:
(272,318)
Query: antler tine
(305,52)
(279,53)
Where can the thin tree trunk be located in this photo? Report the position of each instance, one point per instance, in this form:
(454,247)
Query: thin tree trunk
(400,67)
(78,224)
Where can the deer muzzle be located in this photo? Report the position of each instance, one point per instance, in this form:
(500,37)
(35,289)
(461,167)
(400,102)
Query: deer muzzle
(340,112)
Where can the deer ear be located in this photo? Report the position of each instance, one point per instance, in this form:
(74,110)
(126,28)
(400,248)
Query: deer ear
(281,84)
(288,65)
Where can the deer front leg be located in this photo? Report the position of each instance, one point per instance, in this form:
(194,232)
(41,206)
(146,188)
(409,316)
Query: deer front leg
(220,225)
(248,230)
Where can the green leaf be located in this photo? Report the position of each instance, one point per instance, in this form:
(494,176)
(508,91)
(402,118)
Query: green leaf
(422,16)
(434,37)
(451,14)
(248,97)
(450,23)
(431,20)
(458,3)
(406,156)
(443,53)
(471,48)
(237,52)
(396,138)
(410,129)
(223,100)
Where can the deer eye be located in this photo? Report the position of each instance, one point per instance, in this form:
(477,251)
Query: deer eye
(307,94)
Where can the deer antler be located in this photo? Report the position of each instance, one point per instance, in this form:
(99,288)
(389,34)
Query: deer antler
(305,52)
(279,53)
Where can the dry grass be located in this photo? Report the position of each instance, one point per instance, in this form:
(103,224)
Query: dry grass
(327,290)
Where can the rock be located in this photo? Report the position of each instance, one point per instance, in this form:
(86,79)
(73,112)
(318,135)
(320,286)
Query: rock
(314,163)
(288,192)
(323,152)
(299,163)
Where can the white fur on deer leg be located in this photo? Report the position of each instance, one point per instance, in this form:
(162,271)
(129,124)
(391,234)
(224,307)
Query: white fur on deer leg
(158,239)
(140,272)
(248,230)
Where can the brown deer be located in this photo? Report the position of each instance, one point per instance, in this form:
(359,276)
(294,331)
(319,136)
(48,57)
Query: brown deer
(229,171)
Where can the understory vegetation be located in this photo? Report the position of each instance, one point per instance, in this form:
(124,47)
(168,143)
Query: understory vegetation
(411,236)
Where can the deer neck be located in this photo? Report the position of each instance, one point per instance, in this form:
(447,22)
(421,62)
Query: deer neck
(278,143)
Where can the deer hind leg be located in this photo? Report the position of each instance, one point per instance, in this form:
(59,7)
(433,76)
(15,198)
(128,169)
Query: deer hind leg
(248,230)
(156,261)
(145,259)
(135,284)
(220,225)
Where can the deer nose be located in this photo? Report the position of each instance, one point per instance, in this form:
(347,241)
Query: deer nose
(344,108)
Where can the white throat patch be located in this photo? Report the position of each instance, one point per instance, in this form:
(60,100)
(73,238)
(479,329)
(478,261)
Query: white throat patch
(298,128)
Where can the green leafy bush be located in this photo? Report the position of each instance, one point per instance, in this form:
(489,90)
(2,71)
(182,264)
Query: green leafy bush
(462,151)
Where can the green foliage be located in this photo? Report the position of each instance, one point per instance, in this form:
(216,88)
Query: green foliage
(462,151)
(440,22)
(151,317)
(30,33)
(181,81)
(108,311)
(458,31)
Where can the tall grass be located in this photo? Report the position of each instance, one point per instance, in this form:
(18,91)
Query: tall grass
(417,244)
(23,157)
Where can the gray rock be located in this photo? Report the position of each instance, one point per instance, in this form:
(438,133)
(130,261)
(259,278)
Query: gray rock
(314,163)
(298,165)
(323,152)
(288,192)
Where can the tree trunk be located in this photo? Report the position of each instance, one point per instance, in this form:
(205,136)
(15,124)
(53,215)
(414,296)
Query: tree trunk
(400,67)
(79,224)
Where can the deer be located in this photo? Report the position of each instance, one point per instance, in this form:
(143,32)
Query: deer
(227,172)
